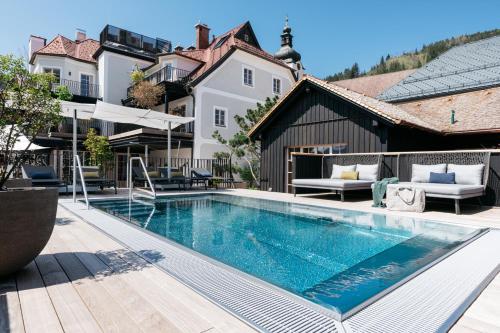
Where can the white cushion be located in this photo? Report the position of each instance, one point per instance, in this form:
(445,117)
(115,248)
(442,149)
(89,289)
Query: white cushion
(467,174)
(421,173)
(443,189)
(338,169)
(367,171)
(332,183)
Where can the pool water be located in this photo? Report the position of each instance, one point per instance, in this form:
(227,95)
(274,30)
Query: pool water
(336,258)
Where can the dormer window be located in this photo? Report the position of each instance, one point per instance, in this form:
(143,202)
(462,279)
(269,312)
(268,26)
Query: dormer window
(221,41)
(248,76)
(276,86)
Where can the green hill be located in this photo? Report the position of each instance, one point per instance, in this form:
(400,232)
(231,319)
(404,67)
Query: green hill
(410,60)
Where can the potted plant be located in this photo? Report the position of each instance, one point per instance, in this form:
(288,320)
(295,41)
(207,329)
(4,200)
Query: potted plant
(27,215)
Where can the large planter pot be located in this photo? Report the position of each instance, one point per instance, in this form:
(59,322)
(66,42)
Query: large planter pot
(27,218)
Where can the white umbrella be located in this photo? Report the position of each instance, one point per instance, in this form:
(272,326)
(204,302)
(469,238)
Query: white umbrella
(22,141)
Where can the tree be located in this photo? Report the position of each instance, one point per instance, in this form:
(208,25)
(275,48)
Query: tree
(63,93)
(240,145)
(99,148)
(136,75)
(27,108)
(147,95)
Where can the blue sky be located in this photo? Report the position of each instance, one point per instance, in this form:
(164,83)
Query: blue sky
(330,35)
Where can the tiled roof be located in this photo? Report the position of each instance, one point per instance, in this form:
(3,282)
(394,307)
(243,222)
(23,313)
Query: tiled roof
(390,112)
(470,66)
(475,111)
(212,55)
(62,46)
(373,85)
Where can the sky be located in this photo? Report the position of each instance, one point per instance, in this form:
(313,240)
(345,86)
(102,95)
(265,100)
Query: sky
(330,35)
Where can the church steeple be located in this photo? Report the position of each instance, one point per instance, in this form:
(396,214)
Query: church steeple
(286,52)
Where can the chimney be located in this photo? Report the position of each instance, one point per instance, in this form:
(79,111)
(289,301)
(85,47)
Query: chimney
(202,33)
(35,44)
(80,35)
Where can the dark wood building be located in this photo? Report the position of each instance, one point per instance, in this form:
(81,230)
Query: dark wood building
(318,117)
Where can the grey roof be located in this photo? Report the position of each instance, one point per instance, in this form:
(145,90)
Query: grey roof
(465,67)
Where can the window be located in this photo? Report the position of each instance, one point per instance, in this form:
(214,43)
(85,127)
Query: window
(54,71)
(248,76)
(221,41)
(220,117)
(276,86)
(86,85)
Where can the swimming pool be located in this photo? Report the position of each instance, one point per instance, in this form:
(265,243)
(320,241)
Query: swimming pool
(339,259)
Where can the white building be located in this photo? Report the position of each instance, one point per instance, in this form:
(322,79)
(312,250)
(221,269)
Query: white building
(213,81)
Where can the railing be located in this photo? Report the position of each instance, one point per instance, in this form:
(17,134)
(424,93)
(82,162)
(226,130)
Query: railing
(78,88)
(130,182)
(84,125)
(78,164)
(166,74)
(135,40)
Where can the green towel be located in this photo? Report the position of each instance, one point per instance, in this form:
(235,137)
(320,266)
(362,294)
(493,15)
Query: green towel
(379,189)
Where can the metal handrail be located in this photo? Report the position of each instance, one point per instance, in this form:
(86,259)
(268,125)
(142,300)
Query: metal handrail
(76,160)
(130,182)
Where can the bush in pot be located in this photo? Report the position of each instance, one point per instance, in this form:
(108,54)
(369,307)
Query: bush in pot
(27,216)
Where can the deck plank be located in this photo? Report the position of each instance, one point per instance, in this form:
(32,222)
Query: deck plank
(186,305)
(11,318)
(72,311)
(39,314)
(108,313)
(185,318)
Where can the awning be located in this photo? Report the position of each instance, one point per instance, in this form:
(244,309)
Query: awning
(22,142)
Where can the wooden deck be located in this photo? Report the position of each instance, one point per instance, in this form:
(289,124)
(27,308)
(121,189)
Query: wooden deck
(85,282)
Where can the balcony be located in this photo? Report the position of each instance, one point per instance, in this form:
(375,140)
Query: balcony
(134,40)
(166,74)
(78,88)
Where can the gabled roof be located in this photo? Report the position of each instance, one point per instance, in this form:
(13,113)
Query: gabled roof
(470,66)
(373,85)
(65,47)
(216,53)
(391,113)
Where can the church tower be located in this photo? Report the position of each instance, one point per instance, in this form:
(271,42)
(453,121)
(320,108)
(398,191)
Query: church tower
(287,53)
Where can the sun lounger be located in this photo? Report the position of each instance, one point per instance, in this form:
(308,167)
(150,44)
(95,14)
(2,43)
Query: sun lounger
(43,176)
(203,176)
(93,178)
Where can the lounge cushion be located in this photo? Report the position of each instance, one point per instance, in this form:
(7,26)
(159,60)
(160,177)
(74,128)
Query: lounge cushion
(152,174)
(41,175)
(442,178)
(444,189)
(332,183)
(337,170)
(367,171)
(90,174)
(467,174)
(420,173)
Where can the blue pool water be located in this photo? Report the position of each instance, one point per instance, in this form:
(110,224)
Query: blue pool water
(336,258)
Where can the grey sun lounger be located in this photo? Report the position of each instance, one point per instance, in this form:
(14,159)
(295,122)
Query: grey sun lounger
(43,176)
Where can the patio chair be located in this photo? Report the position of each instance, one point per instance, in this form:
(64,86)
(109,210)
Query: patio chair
(43,176)
(201,175)
(93,178)
(159,178)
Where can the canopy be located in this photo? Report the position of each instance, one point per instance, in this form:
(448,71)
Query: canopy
(22,141)
(120,114)
(84,111)
(141,117)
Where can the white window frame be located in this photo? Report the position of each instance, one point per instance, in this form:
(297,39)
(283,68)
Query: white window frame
(243,68)
(54,67)
(220,108)
(281,85)
(91,81)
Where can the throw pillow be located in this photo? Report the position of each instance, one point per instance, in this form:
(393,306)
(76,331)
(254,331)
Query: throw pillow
(442,178)
(349,175)
(90,174)
(367,171)
(337,170)
(467,174)
(421,173)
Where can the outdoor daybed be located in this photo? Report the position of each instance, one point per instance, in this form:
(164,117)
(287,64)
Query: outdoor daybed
(159,178)
(93,178)
(205,177)
(367,165)
(471,171)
